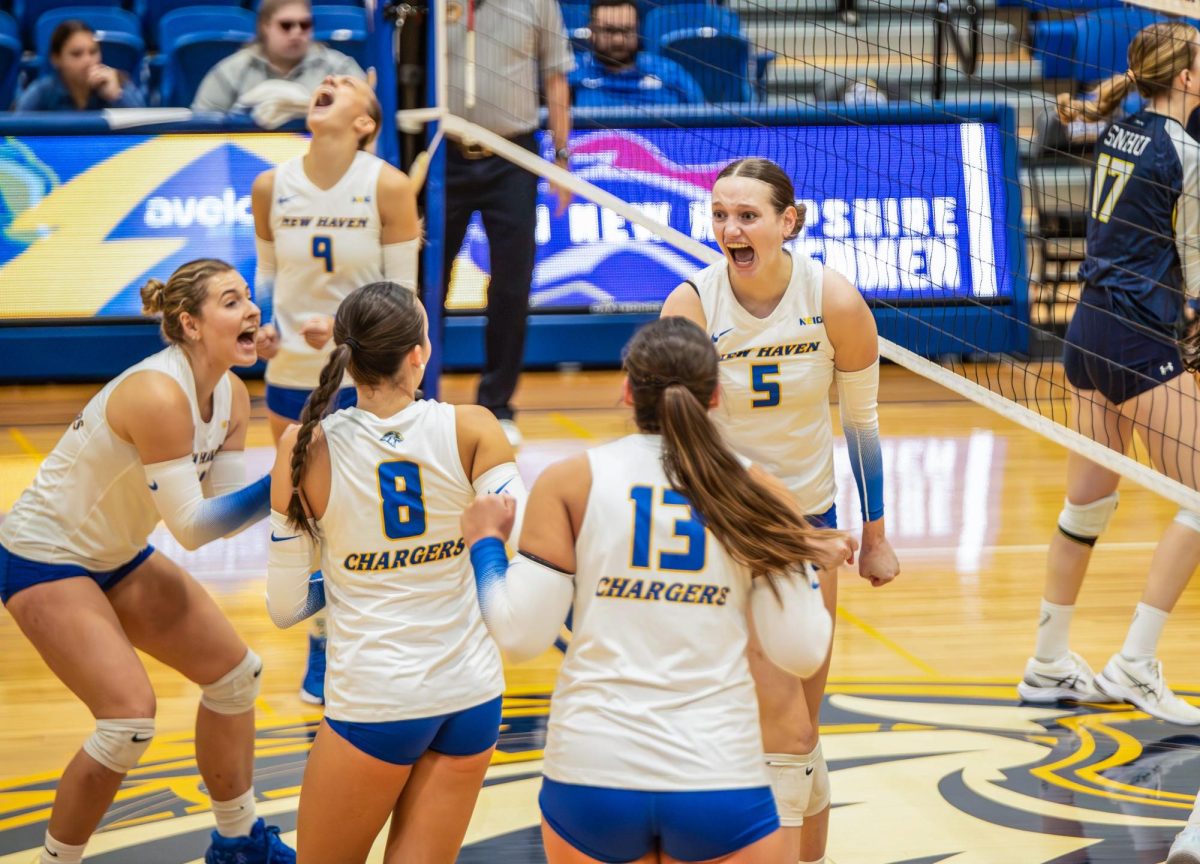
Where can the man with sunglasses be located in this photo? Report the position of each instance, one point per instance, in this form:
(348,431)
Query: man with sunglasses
(282,50)
(617,72)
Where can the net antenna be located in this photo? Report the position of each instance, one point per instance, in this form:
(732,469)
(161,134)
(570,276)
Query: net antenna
(1002,383)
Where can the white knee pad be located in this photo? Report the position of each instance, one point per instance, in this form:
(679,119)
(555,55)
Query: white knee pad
(119,744)
(1083,523)
(1189,519)
(800,784)
(235,692)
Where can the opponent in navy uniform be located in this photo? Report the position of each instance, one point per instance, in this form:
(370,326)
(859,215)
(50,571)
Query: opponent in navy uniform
(325,223)
(786,329)
(667,546)
(372,495)
(1123,363)
(164,439)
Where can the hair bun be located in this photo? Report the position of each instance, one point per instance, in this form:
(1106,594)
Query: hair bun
(154,294)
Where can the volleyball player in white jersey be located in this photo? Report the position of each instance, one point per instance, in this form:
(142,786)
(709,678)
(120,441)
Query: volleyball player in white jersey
(372,495)
(79,578)
(325,223)
(786,328)
(663,542)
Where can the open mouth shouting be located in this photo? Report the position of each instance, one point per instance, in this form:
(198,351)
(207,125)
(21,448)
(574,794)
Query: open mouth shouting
(742,254)
(245,339)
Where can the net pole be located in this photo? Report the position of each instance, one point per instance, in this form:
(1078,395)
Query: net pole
(432,260)
(1172,490)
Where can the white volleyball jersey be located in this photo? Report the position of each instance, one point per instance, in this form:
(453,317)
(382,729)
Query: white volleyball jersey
(89,504)
(406,637)
(326,245)
(655,692)
(775,378)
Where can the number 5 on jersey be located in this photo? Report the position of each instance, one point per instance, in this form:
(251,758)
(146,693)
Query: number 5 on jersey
(322,247)
(688,527)
(402,500)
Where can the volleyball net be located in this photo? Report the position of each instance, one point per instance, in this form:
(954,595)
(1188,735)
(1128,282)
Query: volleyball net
(922,140)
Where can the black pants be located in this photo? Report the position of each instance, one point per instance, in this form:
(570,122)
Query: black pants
(506,198)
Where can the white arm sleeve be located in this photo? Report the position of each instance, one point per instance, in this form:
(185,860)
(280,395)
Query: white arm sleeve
(264,276)
(195,520)
(506,480)
(292,595)
(524,608)
(795,629)
(400,262)
(1187,217)
(226,474)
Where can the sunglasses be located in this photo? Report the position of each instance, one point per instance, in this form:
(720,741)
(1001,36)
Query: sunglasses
(304,25)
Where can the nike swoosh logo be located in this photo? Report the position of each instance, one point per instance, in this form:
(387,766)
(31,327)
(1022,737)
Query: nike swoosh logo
(717,336)
(275,539)
(506,482)
(808,770)
(154,486)
(48,852)
(138,739)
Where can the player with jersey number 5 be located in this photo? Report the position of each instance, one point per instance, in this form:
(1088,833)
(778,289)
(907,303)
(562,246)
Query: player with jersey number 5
(665,543)
(372,494)
(325,223)
(163,440)
(786,328)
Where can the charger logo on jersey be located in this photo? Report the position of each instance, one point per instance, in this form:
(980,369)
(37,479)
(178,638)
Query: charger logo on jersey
(891,231)
(393,439)
(394,559)
(668,592)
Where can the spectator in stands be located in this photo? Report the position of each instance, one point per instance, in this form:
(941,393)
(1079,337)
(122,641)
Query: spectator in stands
(283,50)
(615,72)
(80,82)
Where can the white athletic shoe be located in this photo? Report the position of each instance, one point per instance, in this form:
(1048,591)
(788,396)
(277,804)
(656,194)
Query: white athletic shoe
(1140,683)
(1067,679)
(1186,848)
(512,433)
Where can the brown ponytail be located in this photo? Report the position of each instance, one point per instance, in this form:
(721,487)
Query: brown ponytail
(375,328)
(1157,54)
(672,369)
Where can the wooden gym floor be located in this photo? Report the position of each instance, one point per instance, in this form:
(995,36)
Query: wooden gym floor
(933,757)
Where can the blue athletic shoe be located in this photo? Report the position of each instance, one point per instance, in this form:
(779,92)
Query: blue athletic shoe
(263,846)
(312,690)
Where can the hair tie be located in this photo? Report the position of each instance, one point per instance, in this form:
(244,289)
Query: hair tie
(352,343)
(1132,78)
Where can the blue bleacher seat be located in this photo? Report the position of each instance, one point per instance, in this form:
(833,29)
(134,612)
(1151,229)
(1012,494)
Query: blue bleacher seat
(152,11)
(1054,45)
(27,12)
(707,41)
(119,33)
(681,16)
(8,26)
(193,40)
(359,3)
(576,17)
(1102,40)
(10,66)
(343,28)
(194,19)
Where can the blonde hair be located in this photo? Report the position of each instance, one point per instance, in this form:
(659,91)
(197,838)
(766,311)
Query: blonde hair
(185,291)
(1157,54)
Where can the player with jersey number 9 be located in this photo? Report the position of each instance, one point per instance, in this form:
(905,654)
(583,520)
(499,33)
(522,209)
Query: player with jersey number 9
(375,491)
(325,223)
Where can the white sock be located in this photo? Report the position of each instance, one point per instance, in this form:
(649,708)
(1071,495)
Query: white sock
(235,818)
(1141,643)
(60,853)
(1054,630)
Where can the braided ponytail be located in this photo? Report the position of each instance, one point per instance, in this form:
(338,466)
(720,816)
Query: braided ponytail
(315,409)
